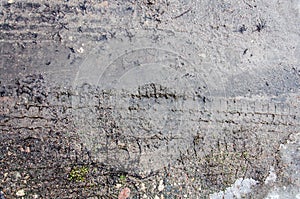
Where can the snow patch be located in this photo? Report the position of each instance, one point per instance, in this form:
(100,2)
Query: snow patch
(238,190)
(272,176)
(290,192)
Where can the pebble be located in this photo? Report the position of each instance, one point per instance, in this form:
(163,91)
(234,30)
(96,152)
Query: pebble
(20,193)
(142,187)
(118,186)
(27,149)
(161,186)
(124,194)
(17,175)
(80,50)
(104,4)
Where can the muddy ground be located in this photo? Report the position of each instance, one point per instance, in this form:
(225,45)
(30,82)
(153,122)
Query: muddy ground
(169,98)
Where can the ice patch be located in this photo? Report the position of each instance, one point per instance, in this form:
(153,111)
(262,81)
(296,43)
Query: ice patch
(238,190)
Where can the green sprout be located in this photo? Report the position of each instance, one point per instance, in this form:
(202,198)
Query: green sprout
(122,179)
(78,174)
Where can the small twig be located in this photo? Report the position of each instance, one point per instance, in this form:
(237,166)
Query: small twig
(188,10)
(261,25)
(248,4)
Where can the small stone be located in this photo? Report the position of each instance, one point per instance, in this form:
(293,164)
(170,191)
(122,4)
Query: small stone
(142,187)
(124,194)
(27,177)
(35,196)
(11,1)
(156,197)
(161,186)
(17,175)
(104,4)
(145,196)
(203,55)
(80,50)
(118,186)
(20,193)
(27,149)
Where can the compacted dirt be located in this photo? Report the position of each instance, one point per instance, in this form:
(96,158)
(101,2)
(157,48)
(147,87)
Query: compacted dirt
(159,98)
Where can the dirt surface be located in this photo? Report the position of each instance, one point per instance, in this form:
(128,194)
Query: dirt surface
(159,98)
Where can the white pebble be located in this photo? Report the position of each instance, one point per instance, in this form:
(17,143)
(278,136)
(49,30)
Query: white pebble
(161,186)
(80,50)
(118,186)
(35,196)
(20,193)
(142,187)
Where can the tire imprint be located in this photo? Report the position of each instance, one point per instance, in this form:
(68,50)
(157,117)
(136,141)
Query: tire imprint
(228,145)
(167,78)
